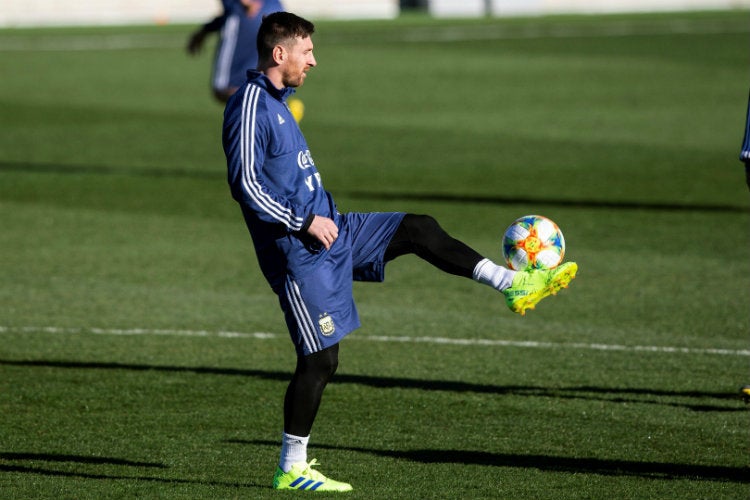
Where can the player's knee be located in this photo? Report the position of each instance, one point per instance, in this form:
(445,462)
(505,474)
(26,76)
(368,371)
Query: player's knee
(416,234)
(323,364)
(327,367)
(420,226)
(424,231)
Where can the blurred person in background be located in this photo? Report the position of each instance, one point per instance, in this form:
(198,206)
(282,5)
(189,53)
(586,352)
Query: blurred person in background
(236,52)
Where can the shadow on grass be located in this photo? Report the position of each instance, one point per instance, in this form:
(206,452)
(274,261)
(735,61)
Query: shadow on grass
(26,463)
(701,401)
(54,168)
(648,470)
(79,459)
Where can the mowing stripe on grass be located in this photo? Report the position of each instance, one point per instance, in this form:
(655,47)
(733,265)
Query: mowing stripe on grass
(608,29)
(71,43)
(415,34)
(381,338)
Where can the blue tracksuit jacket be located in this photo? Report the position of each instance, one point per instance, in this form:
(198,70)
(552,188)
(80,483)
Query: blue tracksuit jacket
(272,176)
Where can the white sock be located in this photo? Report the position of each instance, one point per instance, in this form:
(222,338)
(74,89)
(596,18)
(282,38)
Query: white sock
(293,451)
(491,274)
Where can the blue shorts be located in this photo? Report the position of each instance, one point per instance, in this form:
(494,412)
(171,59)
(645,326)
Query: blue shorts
(317,300)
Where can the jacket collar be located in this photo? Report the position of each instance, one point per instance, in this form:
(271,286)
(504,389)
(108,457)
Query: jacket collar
(262,80)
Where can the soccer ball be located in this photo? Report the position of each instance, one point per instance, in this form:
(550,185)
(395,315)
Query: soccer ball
(533,242)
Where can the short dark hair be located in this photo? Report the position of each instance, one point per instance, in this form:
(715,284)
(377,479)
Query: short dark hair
(279,27)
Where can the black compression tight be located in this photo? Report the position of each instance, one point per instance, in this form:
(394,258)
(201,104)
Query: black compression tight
(417,234)
(423,236)
(306,389)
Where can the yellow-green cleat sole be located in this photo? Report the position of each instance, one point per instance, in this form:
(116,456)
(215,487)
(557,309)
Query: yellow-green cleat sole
(531,286)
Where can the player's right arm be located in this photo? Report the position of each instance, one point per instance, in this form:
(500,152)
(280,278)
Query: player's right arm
(247,135)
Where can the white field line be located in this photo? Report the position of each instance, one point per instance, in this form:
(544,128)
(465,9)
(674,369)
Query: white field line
(380,338)
(101,42)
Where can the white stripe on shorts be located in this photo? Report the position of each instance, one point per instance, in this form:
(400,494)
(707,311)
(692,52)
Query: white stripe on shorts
(302,317)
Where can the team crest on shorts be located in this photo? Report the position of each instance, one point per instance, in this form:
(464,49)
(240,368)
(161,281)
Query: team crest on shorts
(326,324)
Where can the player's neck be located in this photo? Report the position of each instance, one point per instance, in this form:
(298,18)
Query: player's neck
(273,77)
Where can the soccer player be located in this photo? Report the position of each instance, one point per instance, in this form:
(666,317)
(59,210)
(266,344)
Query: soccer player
(310,253)
(745,151)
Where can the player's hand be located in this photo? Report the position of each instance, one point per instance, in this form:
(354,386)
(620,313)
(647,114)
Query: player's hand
(195,42)
(324,230)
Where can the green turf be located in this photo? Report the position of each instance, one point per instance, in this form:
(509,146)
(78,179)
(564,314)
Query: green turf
(124,262)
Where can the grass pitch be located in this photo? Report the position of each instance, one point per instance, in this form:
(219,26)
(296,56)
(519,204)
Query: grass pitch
(144,356)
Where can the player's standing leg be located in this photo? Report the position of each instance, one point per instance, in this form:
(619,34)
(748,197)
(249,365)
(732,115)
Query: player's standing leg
(301,403)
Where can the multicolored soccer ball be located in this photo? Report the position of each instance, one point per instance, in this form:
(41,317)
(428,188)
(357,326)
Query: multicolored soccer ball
(533,242)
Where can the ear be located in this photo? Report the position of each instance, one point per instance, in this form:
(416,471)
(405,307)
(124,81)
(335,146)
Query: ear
(279,54)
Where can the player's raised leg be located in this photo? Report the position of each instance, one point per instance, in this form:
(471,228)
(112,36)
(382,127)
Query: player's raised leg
(423,236)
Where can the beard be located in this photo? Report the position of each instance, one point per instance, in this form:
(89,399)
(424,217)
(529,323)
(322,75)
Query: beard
(293,79)
(293,82)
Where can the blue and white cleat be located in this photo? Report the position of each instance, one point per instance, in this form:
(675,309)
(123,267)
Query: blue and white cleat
(302,477)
